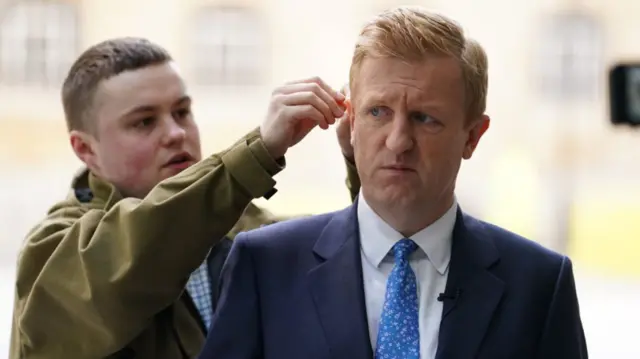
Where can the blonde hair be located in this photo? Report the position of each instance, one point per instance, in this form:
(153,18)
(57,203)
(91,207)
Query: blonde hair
(413,34)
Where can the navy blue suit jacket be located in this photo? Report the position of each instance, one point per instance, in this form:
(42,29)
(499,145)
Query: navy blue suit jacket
(293,290)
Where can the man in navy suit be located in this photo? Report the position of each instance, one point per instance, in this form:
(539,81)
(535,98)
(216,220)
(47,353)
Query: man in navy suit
(403,273)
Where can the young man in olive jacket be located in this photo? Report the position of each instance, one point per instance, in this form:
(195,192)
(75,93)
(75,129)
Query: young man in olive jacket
(104,274)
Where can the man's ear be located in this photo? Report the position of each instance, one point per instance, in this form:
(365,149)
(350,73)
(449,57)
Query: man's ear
(83,145)
(350,117)
(475,132)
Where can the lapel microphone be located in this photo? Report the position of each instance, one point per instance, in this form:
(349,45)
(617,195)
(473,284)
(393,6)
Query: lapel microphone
(451,295)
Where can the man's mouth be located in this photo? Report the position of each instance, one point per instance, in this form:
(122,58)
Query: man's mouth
(399,168)
(180,161)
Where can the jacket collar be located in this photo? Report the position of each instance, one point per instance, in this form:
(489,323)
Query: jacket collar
(87,188)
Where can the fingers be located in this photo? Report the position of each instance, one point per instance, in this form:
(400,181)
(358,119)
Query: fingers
(303,112)
(317,94)
(327,95)
(295,109)
(318,81)
(316,101)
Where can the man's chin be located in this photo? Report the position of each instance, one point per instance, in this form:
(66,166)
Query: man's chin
(393,197)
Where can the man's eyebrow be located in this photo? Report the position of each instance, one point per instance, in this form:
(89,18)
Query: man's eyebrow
(140,109)
(149,108)
(183,100)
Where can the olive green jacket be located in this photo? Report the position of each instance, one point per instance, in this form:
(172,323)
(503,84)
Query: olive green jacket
(103,276)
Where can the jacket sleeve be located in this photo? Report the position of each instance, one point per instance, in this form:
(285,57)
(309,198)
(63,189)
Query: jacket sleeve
(235,328)
(563,336)
(88,282)
(256,216)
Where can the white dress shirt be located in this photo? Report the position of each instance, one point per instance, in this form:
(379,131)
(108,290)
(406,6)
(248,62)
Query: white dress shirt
(430,262)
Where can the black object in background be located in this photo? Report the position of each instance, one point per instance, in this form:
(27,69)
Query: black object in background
(624,94)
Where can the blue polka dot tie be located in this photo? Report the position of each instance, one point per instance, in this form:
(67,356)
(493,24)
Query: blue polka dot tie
(398,333)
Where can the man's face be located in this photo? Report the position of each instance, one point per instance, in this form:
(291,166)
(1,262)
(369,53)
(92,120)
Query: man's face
(410,131)
(144,129)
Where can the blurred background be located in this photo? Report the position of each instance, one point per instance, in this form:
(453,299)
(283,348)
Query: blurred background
(551,168)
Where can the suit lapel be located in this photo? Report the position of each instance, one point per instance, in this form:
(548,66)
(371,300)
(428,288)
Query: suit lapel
(466,317)
(337,289)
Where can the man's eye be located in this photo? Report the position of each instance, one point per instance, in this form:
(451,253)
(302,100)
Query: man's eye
(378,111)
(182,113)
(420,117)
(145,122)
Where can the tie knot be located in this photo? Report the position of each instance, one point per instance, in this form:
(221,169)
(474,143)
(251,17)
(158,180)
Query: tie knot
(403,249)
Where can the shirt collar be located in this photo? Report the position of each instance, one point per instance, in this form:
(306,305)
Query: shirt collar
(377,237)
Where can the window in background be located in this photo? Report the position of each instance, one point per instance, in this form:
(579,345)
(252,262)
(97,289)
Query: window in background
(229,47)
(571,57)
(38,42)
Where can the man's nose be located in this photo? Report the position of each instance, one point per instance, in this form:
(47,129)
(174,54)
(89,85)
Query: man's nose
(174,132)
(400,138)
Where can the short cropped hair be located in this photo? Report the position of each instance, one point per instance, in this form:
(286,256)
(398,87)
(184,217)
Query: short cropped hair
(98,63)
(414,34)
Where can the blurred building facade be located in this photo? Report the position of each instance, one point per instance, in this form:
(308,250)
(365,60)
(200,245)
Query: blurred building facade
(551,168)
